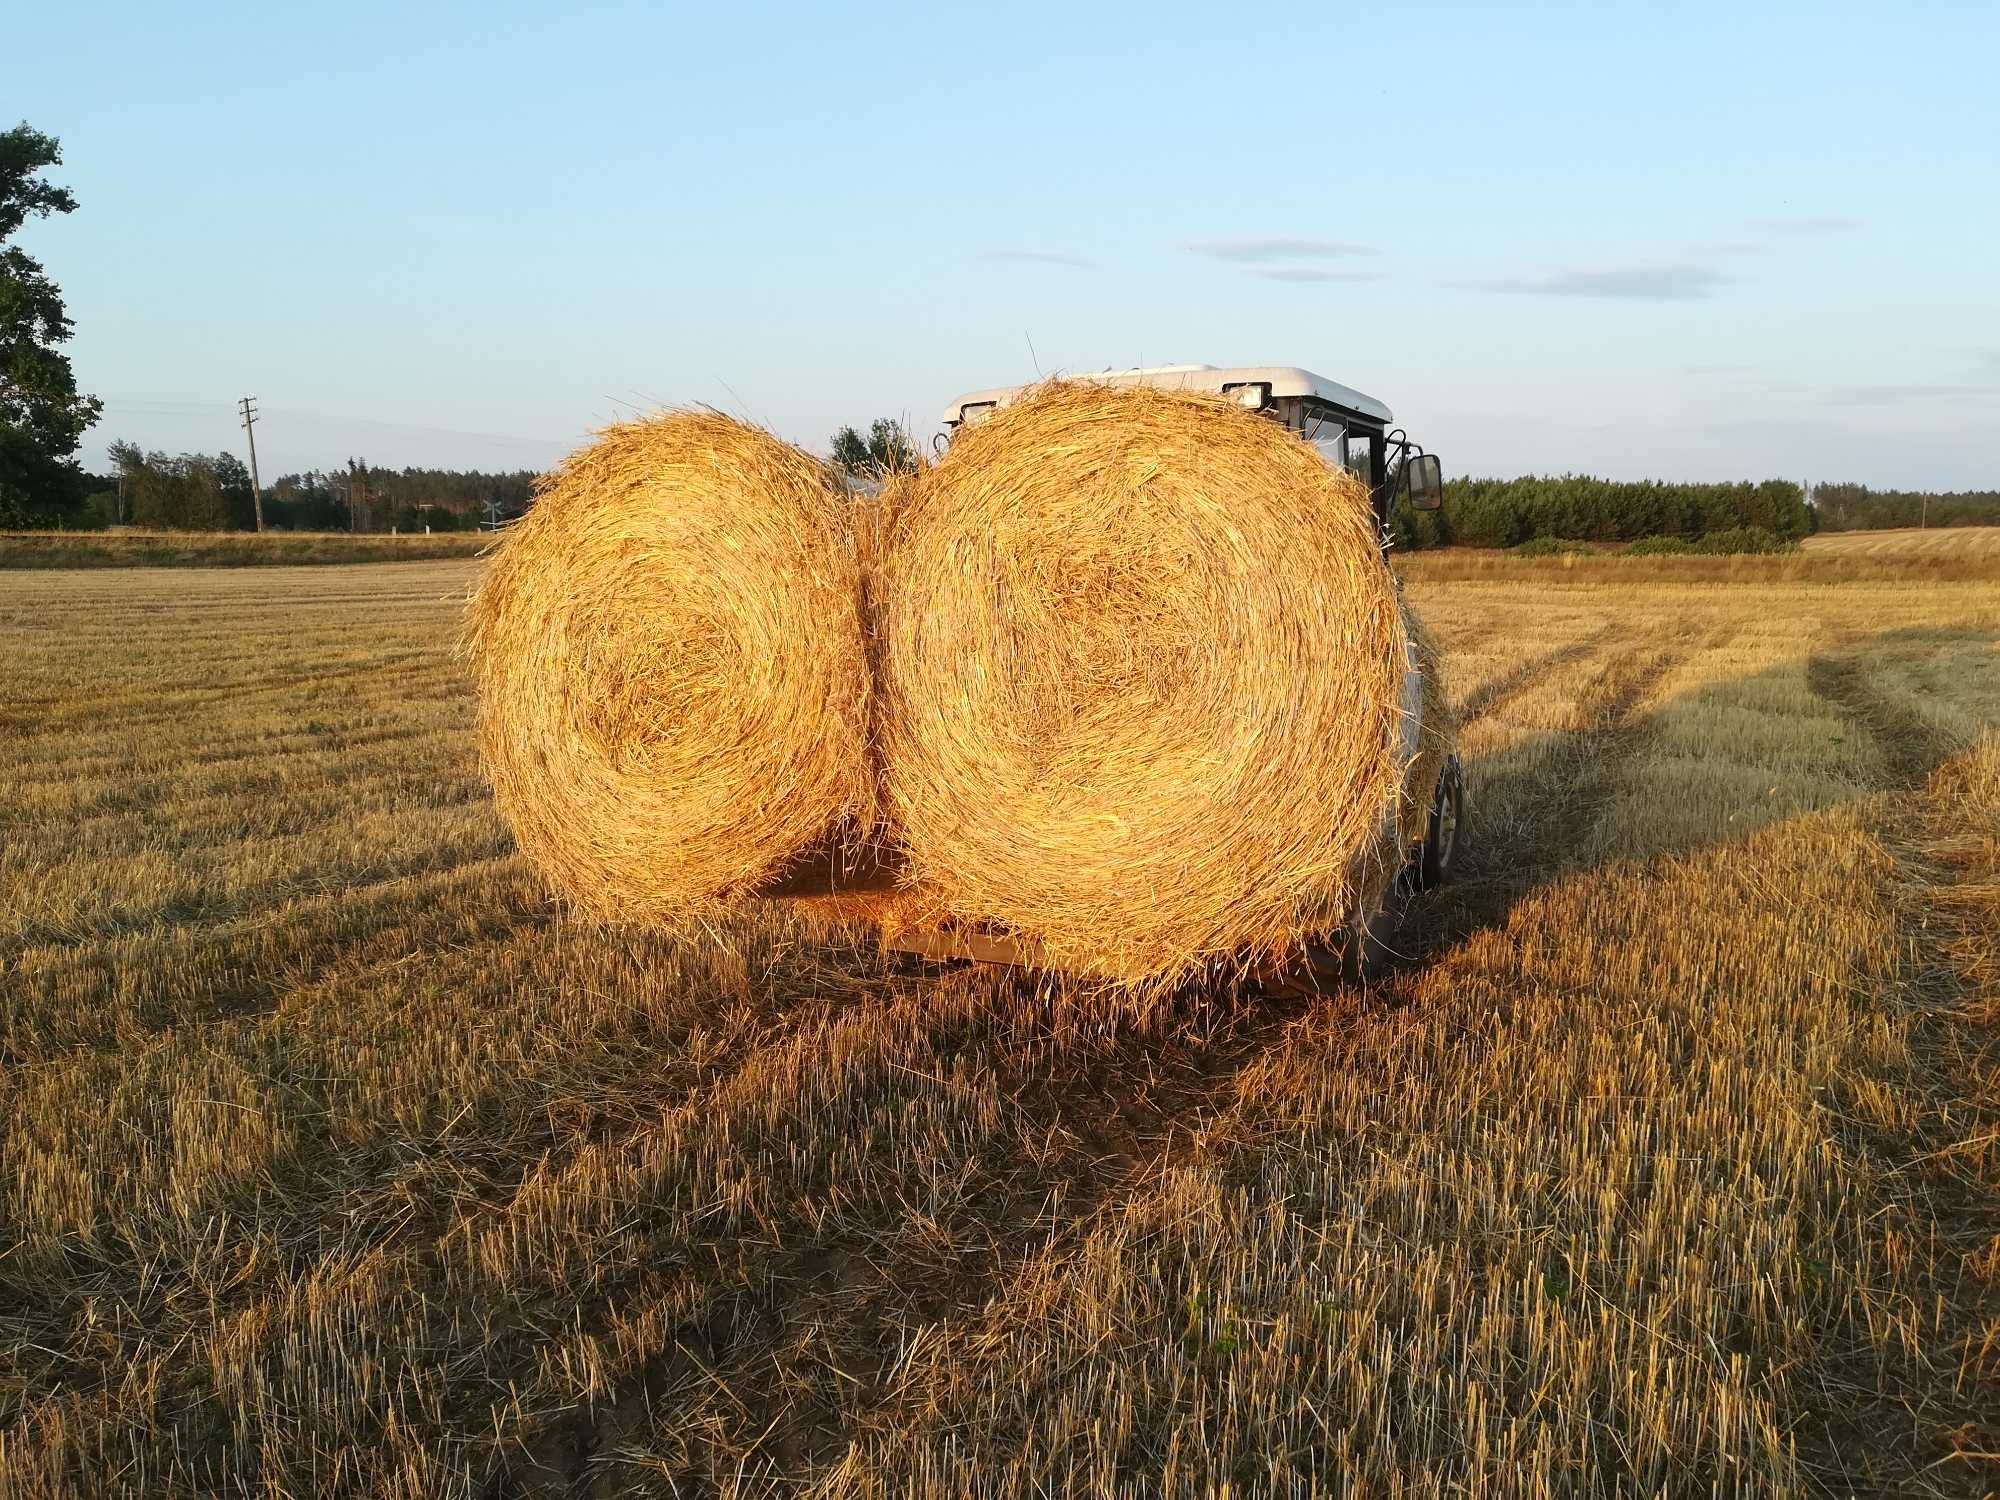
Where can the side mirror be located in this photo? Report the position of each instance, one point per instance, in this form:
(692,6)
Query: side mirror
(1425,481)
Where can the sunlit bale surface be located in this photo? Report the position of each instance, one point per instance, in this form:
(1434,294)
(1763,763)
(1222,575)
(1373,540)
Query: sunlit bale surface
(668,649)
(1140,682)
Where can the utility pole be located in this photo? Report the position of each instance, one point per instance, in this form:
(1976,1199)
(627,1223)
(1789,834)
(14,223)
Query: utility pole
(249,408)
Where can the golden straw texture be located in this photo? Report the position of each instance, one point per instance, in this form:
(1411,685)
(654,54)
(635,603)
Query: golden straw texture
(1140,666)
(672,686)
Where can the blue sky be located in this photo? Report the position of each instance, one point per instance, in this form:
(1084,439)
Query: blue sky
(1702,241)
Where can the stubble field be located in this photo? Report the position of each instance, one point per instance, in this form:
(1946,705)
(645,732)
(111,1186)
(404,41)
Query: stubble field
(1942,542)
(335,1160)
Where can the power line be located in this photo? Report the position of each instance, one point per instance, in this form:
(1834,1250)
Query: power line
(146,406)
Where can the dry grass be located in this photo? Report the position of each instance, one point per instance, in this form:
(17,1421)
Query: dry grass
(669,656)
(1937,542)
(332,1160)
(1815,563)
(130,548)
(1140,683)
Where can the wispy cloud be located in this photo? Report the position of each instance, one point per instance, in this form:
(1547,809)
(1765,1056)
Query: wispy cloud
(1809,225)
(1884,395)
(1254,251)
(1671,283)
(1042,258)
(1314,273)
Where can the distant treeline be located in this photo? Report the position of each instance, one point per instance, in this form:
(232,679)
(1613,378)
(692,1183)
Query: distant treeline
(197,492)
(1855,507)
(361,498)
(202,492)
(1576,507)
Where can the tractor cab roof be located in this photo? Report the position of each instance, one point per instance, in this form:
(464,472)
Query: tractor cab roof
(1259,384)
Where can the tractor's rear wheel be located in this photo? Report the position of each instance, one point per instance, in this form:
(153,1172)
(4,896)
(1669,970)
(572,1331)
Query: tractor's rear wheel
(1440,851)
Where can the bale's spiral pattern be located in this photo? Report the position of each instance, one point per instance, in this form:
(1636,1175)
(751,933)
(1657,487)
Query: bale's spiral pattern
(668,647)
(1140,667)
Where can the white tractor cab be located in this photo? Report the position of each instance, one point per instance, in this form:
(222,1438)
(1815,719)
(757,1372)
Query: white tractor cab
(1354,432)
(1351,431)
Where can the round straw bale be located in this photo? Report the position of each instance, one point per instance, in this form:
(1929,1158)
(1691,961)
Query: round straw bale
(673,696)
(1139,682)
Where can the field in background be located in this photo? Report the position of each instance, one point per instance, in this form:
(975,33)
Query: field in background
(1820,560)
(1669,1157)
(226,549)
(1938,541)
(1958,554)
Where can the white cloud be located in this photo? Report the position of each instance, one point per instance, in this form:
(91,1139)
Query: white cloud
(1314,273)
(1884,395)
(1667,283)
(1252,251)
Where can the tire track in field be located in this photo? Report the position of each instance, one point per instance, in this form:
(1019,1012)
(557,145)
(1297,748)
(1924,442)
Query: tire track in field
(213,825)
(840,1280)
(1552,805)
(417,1193)
(1118,1106)
(1911,749)
(118,711)
(1943,1166)
(96,994)
(1191,1101)
(163,777)
(201,896)
(444,755)
(1510,684)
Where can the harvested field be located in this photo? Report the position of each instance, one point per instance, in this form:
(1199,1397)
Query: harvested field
(1937,542)
(1807,566)
(1668,1159)
(130,548)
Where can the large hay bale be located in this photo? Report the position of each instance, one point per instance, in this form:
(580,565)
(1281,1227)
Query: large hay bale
(673,693)
(1139,683)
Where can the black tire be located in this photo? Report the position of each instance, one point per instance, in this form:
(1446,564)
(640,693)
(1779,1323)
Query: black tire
(1442,834)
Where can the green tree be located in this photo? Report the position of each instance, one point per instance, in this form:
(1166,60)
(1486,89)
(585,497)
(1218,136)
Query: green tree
(238,503)
(887,449)
(42,416)
(1855,507)
(191,493)
(361,515)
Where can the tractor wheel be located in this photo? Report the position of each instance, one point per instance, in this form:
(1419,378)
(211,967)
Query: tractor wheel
(1440,852)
